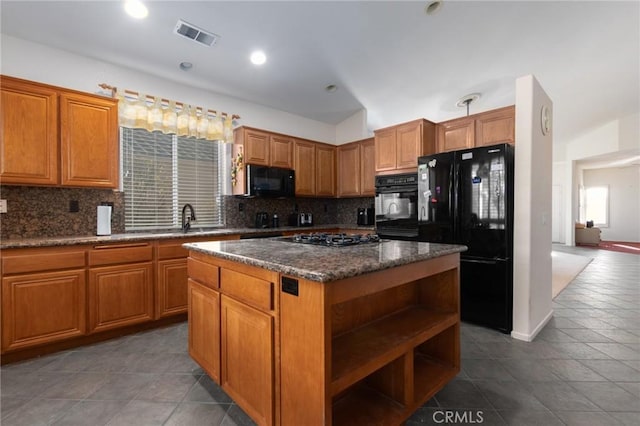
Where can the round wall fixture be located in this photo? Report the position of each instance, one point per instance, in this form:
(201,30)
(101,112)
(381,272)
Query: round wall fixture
(331,88)
(433,7)
(545,120)
(258,57)
(185,66)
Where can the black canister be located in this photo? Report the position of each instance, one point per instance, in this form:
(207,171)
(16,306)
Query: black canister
(275,221)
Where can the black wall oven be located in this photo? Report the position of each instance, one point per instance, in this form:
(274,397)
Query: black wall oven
(396,206)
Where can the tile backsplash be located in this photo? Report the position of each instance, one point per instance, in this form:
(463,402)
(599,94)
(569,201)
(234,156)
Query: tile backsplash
(37,212)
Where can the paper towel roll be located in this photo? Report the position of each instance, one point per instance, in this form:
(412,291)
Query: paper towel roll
(104,220)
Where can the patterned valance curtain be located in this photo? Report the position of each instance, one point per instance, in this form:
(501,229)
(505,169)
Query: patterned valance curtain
(142,111)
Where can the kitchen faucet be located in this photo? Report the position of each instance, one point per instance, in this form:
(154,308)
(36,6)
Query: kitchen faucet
(186,220)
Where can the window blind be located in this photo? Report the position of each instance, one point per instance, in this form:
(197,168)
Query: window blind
(163,172)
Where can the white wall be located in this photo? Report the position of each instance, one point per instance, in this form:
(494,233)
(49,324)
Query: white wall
(624,201)
(532,213)
(353,128)
(36,62)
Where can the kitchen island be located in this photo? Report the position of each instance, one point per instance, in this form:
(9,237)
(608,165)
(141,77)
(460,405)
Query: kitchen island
(299,334)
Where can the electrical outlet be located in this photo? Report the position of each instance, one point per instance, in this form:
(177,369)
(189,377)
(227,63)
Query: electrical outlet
(3,206)
(240,207)
(74,206)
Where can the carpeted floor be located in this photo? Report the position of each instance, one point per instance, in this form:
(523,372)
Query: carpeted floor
(620,246)
(564,268)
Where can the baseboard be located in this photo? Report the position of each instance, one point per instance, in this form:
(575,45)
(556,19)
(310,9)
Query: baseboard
(529,337)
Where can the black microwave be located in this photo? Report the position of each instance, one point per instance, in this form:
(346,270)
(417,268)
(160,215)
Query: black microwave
(265,181)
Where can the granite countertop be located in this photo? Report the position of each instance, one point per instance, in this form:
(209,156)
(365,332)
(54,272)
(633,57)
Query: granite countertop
(323,263)
(164,235)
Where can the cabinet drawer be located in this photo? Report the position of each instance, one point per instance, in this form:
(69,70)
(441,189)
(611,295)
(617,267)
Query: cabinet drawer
(254,291)
(204,273)
(42,261)
(124,253)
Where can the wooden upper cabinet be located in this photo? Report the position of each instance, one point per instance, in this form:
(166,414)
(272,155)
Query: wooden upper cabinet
(304,164)
(56,136)
(397,148)
(29,144)
(356,169)
(497,126)
(483,129)
(325,170)
(256,146)
(89,141)
(456,134)
(349,170)
(367,167)
(281,148)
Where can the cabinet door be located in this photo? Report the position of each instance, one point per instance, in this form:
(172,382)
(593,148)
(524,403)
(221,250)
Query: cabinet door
(281,152)
(325,171)
(304,161)
(42,308)
(171,287)
(89,141)
(495,127)
(367,168)
(349,170)
(455,135)
(29,138)
(204,328)
(256,147)
(385,149)
(120,295)
(408,144)
(247,359)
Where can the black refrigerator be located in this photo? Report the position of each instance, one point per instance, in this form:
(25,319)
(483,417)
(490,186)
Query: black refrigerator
(466,197)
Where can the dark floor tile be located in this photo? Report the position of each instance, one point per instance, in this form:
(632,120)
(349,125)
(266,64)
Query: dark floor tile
(150,362)
(39,412)
(572,370)
(91,413)
(9,404)
(561,396)
(613,370)
(571,350)
(123,386)
(485,369)
(619,336)
(29,385)
(508,395)
(608,396)
(529,370)
(167,387)
(206,390)
(461,394)
(632,387)
(198,414)
(550,334)
(584,335)
(617,350)
(76,386)
(626,418)
(143,413)
(586,418)
(236,417)
(183,363)
(34,364)
(530,418)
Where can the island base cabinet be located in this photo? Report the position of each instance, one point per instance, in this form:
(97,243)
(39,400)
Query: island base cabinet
(204,328)
(247,359)
(120,295)
(171,288)
(42,308)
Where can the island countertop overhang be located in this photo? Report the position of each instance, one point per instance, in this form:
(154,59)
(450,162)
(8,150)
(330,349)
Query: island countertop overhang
(324,264)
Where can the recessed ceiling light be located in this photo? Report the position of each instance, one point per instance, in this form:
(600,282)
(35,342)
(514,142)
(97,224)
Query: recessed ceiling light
(258,57)
(331,88)
(433,7)
(136,9)
(186,66)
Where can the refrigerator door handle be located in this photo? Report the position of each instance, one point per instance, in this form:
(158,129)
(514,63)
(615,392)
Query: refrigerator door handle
(483,262)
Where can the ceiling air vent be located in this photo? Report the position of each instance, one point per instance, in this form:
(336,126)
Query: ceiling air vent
(194,33)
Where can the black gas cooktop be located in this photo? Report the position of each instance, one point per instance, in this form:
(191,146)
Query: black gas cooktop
(333,240)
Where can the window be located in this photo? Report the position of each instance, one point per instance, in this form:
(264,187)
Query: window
(597,205)
(163,172)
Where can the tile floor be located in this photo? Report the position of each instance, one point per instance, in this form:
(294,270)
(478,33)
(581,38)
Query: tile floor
(582,369)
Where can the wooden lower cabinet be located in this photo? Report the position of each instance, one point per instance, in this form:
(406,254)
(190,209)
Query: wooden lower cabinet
(42,308)
(171,294)
(248,359)
(204,328)
(120,295)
